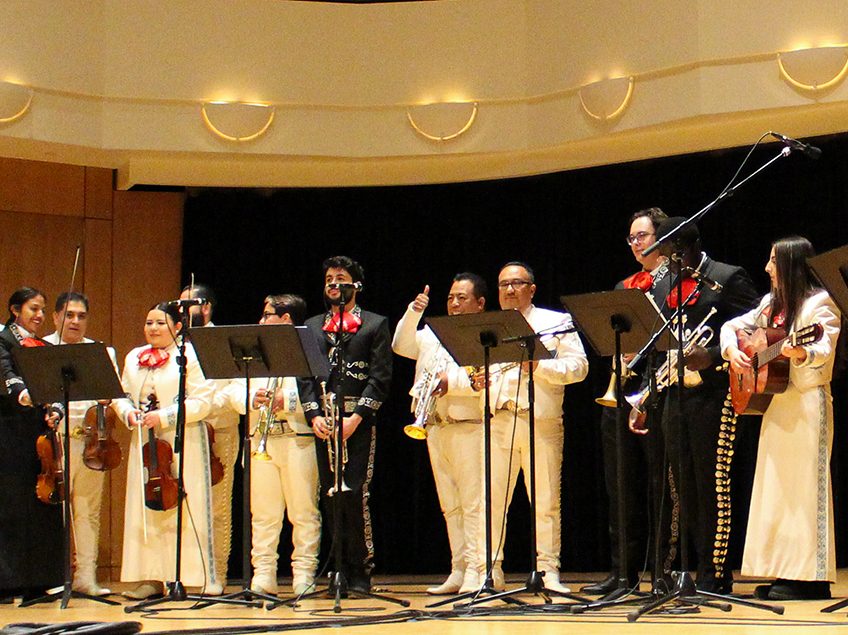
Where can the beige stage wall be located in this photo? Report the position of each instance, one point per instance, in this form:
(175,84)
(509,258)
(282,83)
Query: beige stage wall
(131,255)
(120,84)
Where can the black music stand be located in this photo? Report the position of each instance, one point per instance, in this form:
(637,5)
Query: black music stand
(254,351)
(63,374)
(616,321)
(470,339)
(831,268)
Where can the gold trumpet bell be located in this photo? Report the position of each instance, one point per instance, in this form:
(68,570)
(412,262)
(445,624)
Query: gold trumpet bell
(260,456)
(608,399)
(416,431)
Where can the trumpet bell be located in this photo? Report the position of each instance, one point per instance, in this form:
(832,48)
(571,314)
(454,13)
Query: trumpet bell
(260,456)
(608,399)
(415,431)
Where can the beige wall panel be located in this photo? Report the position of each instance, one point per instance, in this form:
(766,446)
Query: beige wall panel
(41,188)
(37,250)
(96,277)
(147,239)
(98,193)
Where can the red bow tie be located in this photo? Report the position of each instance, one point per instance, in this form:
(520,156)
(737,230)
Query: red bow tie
(642,280)
(30,342)
(153,357)
(689,285)
(351,323)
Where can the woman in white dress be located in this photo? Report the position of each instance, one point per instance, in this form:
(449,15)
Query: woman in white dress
(151,381)
(790,526)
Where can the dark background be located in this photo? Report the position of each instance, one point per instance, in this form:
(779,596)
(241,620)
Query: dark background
(570,227)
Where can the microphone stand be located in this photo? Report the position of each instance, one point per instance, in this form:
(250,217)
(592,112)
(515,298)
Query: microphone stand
(535,583)
(176,591)
(684,591)
(337,585)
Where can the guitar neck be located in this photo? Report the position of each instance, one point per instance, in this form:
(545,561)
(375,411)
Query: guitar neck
(771,352)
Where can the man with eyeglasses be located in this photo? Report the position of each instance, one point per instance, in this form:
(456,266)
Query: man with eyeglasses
(641,455)
(284,480)
(510,426)
(707,424)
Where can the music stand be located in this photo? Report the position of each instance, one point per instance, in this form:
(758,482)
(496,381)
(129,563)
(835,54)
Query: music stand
(612,322)
(64,374)
(469,340)
(254,351)
(831,269)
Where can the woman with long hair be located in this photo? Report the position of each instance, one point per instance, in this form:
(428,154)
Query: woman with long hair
(790,526)
(151,381)
(30,531)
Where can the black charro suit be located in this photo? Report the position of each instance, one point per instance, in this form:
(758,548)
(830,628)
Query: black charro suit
(365,385)
(30,531)
(708,433)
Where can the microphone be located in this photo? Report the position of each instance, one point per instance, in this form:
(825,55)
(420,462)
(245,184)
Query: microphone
(697,275)
(345,286)
(811,151)
(187,302)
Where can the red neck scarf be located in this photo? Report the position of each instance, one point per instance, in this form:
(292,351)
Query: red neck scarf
(30,342)
(153,357)
(642,280)
(351,323)
(689,285)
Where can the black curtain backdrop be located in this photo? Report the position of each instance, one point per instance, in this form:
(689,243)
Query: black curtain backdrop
(570,228)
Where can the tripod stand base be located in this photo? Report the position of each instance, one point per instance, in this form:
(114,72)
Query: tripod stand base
(686,595)
(65,596)
(176,593)
(624,593)
(337,590)
(535,584)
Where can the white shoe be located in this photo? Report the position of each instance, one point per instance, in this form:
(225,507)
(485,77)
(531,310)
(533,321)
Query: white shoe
(449,586)
(498,582)
(303,586)
(145,590)
(90,587)
(213,588)
(552,583)
(471,581)
(264,583)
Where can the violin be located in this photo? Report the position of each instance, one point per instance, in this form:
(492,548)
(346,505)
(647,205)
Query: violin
(216,467)
(50,485)
(101,451)
(160,487)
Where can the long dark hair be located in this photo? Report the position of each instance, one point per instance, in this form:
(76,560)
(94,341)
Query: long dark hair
(795,278)
(20,298)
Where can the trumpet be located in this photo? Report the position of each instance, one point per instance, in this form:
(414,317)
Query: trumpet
(266,422)
(424,399)
(666,374)
(328,405)
(610,399)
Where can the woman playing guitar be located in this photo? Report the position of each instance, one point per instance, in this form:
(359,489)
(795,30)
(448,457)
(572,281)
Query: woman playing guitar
(30,531)
(790,533)
(151,381)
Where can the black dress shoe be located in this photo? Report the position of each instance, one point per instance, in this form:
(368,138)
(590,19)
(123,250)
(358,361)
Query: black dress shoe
(721,586)
(784,590)
(761,592)
(608,585)
(359,583)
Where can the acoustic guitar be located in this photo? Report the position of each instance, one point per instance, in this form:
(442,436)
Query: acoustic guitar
(751,392)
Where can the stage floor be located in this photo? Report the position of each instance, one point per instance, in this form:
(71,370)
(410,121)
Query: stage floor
(494,618)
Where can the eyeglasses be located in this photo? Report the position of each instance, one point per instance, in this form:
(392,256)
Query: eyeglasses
(638,237)
(268,316)
(515,284)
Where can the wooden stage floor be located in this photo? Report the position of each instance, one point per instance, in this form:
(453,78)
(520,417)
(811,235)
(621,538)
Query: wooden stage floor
(800,617)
